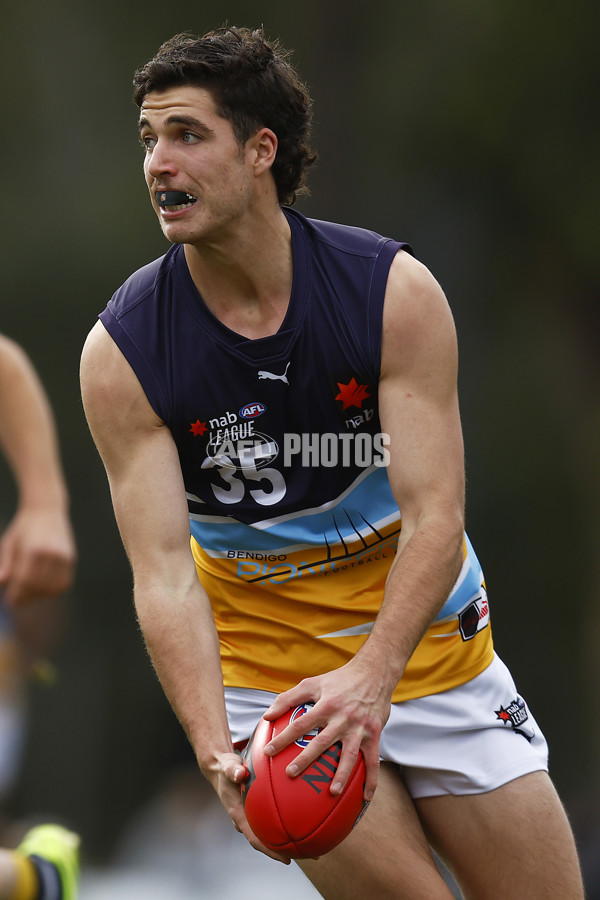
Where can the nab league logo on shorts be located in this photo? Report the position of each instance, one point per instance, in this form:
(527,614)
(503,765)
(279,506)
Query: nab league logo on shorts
(516,714)
(305,740)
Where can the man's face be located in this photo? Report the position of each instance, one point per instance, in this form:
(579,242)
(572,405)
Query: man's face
(200,179)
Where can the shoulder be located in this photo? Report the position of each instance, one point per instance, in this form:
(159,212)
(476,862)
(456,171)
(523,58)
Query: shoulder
(11,353)
(103,365)
(345,239)
(99,347)
(109,386)
(142,283)
(417,320)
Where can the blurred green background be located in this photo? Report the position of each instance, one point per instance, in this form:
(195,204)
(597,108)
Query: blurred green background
(471,130)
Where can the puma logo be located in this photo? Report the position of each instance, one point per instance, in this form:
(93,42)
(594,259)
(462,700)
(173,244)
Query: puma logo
(272,377)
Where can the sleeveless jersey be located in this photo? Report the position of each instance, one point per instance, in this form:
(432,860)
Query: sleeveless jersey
(293,523)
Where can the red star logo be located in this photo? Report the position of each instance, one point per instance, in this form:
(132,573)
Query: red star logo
(502,714)
(352,394)
(198,427)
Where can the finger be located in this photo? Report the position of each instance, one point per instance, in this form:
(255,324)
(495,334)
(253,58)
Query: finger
(44,573)
(22,579)
(277,708)
(18,590)
(307,724)
(348,758)
(51,577)
(322,745)
(372,763)
(301,693)
(36,577)
(234,770)
(239,774)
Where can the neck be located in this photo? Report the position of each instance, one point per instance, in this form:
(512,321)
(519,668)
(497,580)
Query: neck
(246,282)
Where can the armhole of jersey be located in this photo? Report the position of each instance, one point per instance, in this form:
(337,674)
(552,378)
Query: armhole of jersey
(376,298)
(138,363)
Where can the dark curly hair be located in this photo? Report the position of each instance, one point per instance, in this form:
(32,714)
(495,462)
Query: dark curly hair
(253,86)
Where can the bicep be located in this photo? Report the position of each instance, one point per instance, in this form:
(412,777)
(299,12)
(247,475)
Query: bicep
(139,455)
(418,395)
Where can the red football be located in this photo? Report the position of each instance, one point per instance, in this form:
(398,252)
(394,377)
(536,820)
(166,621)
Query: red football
(298,817)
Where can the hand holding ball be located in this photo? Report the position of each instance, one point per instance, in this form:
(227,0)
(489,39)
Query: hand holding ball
(298,817)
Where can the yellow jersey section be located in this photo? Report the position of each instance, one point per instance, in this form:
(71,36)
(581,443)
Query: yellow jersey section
(282,617)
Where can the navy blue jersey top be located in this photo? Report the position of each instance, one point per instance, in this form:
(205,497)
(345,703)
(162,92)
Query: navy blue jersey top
(202,379)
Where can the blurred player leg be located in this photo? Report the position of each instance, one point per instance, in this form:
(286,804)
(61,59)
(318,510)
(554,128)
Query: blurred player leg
(516,835)
(12,714)
(46,865)
(386,856)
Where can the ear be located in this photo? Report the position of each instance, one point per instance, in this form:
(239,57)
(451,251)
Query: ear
(263,146)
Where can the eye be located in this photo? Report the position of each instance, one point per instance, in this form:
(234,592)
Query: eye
(148,142)
(189,137)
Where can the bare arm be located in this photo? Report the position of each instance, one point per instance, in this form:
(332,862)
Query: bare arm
(173,609)
(37,550)
(419,412)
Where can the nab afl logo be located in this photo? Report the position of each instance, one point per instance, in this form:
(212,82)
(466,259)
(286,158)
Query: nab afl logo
(252,410)
(305,740)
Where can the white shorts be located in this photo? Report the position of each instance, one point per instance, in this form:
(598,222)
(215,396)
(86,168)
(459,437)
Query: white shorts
(468,740)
